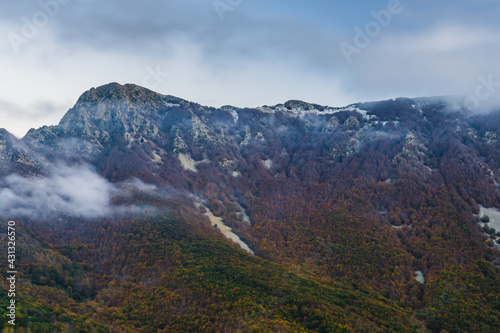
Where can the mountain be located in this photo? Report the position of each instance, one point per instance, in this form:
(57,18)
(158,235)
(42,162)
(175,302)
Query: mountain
(142,212)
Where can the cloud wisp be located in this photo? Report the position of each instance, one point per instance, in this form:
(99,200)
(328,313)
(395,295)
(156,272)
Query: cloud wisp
(77,191)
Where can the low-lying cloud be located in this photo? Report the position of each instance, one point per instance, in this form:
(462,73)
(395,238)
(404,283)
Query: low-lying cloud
(77,191)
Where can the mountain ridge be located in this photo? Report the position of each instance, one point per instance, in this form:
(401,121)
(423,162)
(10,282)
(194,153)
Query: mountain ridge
(380,205)
(132,93)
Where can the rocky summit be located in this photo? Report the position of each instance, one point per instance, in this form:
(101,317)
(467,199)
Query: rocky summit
(143,212)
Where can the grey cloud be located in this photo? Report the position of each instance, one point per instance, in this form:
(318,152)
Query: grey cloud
(7,107)
(19,119)
(137,27)
(155,29)
(139,185)
(446,59)
(77,191)
(39,109)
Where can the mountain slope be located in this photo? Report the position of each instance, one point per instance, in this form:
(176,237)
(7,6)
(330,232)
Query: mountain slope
(373,207)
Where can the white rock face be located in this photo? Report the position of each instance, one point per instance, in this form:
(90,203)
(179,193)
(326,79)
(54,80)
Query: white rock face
(419,276)
(494,216)
(129,110)
(156,157)
(226,231)
(268,163)
(188,163)
(244,214)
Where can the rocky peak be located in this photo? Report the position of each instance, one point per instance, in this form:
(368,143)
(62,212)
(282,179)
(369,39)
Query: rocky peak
(113,100)
(115,91)
(4,134)
(296,104)
(124,109)
(6,140)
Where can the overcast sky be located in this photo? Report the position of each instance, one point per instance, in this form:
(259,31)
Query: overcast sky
(242,52)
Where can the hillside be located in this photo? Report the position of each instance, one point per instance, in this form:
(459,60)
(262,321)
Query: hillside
(142,212)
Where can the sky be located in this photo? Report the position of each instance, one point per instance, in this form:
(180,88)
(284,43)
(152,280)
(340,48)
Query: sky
(244,52)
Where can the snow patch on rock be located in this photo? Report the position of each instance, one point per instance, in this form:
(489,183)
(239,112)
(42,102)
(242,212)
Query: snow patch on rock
(419,276)
(188,163)
(267,163)
(156,157)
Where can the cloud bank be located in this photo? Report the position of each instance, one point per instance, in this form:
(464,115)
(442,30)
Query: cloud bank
(77,191)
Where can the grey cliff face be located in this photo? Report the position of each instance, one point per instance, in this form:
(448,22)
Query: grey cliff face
(129,111)
(16,156)
(116,125)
